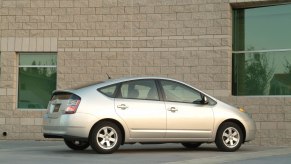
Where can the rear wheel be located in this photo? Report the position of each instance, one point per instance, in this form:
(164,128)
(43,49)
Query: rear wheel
(76,145)
(192,145)
(229,137)
(105,138)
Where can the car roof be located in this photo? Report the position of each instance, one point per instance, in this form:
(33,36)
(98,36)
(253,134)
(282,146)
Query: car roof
(118,80)
(107,82)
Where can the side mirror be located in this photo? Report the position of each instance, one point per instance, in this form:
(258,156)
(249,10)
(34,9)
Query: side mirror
(204,100)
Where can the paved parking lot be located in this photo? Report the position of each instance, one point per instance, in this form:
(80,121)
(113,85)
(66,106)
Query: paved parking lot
(48,152)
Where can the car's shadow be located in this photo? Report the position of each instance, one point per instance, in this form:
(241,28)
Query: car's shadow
(165,150)
(148,150)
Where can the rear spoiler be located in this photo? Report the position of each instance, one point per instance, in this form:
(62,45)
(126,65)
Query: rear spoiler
(60,91)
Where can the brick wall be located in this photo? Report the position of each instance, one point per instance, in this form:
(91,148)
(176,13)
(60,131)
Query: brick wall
(189,40)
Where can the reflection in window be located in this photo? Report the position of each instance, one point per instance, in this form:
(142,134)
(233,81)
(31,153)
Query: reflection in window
(36,79)
(266,73)
(262,51)
(0,66)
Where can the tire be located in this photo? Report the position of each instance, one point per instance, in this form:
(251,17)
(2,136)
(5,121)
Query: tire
(105,138)
(192,145)
(229,137)
(76,145)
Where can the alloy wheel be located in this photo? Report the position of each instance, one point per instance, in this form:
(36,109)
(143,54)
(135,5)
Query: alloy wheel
(230,137)
(107,137)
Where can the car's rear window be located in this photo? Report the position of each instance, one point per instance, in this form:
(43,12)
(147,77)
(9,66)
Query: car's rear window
(61,96)
(108,90)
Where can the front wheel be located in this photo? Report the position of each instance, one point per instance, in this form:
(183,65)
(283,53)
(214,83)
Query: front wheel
(229,137)
(76,145)
(105,138)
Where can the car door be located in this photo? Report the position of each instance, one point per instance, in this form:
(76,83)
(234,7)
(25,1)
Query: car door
(139,105)
(187,117)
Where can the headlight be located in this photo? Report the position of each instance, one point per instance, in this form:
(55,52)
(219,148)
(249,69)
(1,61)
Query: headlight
(244,111)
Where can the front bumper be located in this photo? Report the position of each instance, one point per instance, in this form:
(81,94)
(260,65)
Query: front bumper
(250,130)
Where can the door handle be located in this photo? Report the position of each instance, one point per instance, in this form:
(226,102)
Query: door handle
(122,106)
(173,109)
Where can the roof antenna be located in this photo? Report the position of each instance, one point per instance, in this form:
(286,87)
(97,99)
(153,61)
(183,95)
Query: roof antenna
(108,76)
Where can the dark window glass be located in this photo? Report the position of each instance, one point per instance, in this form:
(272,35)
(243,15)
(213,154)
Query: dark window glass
(37,59)
(262,28)
(266,73)
(109,90)
(139,89)
(0,66)
(179,93)
(36,79)
(262,51)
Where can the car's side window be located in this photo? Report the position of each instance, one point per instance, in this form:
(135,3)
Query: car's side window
(179,93)
(139,89)
(108,90)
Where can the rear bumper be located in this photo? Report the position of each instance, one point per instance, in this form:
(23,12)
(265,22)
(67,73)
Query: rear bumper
(76,125)
(47,135)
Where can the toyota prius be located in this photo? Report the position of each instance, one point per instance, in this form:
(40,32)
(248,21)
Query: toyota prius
(144,110)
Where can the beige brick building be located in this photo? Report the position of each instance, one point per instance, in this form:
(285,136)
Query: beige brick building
(188,40)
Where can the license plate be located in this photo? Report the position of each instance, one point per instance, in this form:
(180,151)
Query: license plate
(56,107)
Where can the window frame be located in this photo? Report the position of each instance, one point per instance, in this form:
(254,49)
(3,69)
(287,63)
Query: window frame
(118,94)
(236,53)
(32,66)
(0,67)
(114,95)
(187,86)
(160,90)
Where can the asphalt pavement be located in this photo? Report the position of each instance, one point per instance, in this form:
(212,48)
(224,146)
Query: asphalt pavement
(48,152)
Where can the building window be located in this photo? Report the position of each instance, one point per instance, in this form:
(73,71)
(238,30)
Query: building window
(36,79)
(0,66)
(262,51)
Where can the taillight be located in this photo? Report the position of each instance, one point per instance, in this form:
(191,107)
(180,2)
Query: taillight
(73,104)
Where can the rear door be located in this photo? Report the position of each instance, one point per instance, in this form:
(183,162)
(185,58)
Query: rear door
(138,105)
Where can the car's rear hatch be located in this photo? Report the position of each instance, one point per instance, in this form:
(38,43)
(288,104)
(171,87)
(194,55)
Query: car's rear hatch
(63,102)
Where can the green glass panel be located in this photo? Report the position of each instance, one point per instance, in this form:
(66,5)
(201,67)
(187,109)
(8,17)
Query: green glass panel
(267,73)
(35,81)
(0,67)
(39,59)
(35,87)
(262,28)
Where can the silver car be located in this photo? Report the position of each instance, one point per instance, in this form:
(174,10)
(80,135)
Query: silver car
(144,110)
